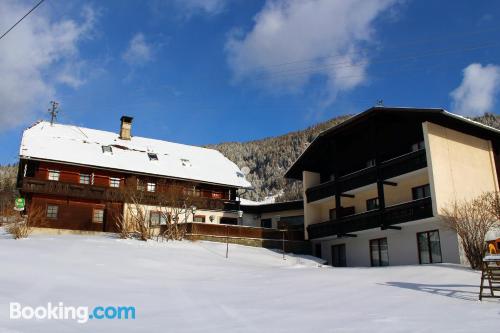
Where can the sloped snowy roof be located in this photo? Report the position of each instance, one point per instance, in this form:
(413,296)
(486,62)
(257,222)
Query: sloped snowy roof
(83,146)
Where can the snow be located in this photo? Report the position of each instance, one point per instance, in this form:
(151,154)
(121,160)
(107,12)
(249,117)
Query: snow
(192,287)
(78,145)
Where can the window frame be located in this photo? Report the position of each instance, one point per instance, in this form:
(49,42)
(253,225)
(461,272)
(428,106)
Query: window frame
(151,187)
(84,175)
(379,252)
(431,261)
(50,172)
(153,156)
(107,149)
(156,213)
(416,188)
(263,221)
(94,220)
(372,162)
(202,217)
(343,261)
(51,217)
(318,250)
(112,180)
(370,200)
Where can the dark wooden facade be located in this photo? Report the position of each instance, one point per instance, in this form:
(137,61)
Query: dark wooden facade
(78,200)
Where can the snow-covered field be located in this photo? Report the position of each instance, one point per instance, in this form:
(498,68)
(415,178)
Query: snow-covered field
(192,287)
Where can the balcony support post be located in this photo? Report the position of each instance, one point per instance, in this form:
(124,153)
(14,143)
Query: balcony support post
(380,180)
(338,199)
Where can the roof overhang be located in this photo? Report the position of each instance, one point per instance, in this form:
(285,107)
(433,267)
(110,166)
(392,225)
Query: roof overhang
(438,115)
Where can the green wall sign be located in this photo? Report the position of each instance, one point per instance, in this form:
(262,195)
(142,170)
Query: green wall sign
(19,204)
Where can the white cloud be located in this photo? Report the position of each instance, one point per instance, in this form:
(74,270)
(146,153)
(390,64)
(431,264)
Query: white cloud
(210,7)
(477,92)
(138,51)
(35,56)
(328,34)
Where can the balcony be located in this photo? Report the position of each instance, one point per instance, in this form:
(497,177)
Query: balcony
(405,212)
(92,192)
(390,168)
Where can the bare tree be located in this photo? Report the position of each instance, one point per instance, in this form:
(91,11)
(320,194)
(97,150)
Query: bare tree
(175,204)
(171,203)
(21,227)
(472,219)
(493,199)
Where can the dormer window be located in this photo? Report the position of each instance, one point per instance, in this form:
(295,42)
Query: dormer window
(153,157)
(185,162)
(107,149)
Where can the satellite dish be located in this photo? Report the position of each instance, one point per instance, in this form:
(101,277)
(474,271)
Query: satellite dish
(245,170)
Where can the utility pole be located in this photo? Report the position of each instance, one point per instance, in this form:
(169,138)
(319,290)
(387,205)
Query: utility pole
(53,111)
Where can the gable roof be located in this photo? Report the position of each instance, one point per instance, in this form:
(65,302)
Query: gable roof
(437,115)
(83,146)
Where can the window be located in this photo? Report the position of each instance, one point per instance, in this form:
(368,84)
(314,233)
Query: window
(84,178)
(332,214)
(114,182)
(417,146)
(317,250)
(379,253)
(54,175)
(266,223)
(338,256)
(107,149)
(370,163)
(98,216)
(216,195)
(199,218)
(154,218)
(157,218)
(372,204)
(151,187)
(140,185)
(153,157)
(185,162)
(429,247)
(421,192)
(229,220)
(52,211)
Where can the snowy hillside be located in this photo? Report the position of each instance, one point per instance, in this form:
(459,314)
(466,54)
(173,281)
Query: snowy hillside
(191,287)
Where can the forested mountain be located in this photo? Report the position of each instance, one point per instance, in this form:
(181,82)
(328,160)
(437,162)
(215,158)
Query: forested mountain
(267,160)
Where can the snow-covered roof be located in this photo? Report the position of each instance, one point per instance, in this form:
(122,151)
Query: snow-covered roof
(84,146)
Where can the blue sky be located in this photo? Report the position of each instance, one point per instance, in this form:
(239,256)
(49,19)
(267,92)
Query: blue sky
(201,72)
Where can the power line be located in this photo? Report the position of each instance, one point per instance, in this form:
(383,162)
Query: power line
(435,38)
(22,18)
(291,72)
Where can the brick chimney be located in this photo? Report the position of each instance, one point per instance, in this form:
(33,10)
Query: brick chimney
(126,127)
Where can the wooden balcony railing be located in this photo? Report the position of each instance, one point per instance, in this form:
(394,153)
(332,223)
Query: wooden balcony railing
(92,192)
(405,212)
(390,168)
(221,230)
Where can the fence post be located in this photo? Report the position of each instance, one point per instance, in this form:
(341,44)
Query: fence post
(227,241)
(283,244)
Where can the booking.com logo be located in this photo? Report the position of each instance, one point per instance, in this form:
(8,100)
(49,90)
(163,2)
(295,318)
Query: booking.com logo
(81,314)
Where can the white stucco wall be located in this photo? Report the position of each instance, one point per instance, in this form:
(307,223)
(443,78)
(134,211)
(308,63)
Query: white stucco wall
(402,244)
